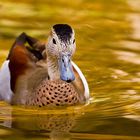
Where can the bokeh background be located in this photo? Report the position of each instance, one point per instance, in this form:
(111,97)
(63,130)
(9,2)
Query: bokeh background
(108,53)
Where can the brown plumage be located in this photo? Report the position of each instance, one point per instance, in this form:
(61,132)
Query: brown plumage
(29,64)
(53,93)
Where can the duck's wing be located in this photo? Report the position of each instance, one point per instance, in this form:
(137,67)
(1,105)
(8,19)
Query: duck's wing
(35,46)
(21,60)
(5,88)
(80,83)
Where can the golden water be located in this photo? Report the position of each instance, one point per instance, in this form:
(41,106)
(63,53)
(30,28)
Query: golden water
(108,53)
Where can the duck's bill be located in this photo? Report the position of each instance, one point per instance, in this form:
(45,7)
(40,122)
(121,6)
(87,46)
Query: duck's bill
(66,70)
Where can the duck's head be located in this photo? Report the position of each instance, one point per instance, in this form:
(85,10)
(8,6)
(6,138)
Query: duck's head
(60,49)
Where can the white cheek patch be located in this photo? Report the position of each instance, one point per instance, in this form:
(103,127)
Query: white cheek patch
(5,88)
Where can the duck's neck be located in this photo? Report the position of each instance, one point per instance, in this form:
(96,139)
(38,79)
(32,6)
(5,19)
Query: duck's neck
(53,68)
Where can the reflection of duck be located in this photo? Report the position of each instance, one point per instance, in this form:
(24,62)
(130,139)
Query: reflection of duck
(55,124)
(47,122)
(43,74)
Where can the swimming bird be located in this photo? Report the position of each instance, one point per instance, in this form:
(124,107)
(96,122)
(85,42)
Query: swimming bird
(43,74)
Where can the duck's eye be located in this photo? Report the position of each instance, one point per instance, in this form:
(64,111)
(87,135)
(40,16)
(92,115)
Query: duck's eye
(73,41)
(54,42)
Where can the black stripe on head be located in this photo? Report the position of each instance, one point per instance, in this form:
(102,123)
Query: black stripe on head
(63,31)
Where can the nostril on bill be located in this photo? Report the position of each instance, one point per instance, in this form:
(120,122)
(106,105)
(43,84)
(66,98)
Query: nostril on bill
(62,60)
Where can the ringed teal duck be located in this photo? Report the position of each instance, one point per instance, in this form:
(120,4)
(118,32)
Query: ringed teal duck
(43,74)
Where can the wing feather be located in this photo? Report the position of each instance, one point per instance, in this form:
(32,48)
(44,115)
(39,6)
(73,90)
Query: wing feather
(5,88)
(81,83)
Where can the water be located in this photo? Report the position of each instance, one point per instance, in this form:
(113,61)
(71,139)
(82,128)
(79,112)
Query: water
(108,52)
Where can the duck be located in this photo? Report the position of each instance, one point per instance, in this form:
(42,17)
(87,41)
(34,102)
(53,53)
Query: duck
(42,73)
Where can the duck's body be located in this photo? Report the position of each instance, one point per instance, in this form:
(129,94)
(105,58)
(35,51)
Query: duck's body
(28,67)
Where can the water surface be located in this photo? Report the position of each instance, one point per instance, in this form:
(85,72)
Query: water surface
(108,53)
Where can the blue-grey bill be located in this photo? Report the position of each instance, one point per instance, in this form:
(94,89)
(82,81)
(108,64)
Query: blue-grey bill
(66,70)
